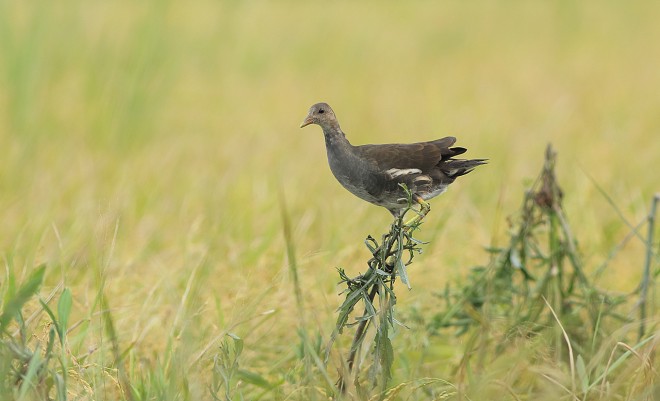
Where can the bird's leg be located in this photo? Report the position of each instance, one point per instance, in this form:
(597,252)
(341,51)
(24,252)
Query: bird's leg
(424,209)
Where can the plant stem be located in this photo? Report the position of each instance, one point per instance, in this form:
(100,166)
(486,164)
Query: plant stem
(646,277)
(379,261)
(361,330)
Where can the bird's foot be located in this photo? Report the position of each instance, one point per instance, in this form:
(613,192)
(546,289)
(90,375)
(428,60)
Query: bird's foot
(424,209)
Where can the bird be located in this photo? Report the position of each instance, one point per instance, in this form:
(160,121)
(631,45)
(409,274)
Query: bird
(375,173)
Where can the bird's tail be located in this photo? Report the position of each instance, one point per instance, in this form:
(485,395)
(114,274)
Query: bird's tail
(456,168)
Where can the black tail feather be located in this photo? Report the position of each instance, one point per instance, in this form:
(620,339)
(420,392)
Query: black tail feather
(457,168)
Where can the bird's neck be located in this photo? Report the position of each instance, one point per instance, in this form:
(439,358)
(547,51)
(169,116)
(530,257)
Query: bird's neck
(334,136)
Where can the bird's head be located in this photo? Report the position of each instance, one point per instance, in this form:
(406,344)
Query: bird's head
(321,114)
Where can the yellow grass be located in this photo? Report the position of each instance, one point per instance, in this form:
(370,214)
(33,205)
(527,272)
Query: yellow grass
(144,145)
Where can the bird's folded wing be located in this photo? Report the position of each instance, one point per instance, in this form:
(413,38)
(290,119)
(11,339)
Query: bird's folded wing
(421,156)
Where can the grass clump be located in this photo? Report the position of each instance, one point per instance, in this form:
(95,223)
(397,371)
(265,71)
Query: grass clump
(536,293)
(33,369)
(541,262)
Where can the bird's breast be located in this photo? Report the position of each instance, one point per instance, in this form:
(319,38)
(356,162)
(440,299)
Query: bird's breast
(358,176)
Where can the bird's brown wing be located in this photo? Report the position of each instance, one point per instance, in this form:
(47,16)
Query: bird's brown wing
(421,155)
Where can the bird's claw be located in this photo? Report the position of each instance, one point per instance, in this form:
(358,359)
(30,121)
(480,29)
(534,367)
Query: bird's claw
(424,209)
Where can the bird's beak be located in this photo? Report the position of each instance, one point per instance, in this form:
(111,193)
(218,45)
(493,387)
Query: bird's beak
(306,122)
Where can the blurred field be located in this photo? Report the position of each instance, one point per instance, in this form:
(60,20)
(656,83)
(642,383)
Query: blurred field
(144,145)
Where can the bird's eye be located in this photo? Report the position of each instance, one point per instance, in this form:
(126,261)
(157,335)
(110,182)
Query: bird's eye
(321,111)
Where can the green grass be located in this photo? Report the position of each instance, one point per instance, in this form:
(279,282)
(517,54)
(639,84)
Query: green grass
(144,145)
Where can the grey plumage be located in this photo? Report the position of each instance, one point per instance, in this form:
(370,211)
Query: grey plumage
(374,172)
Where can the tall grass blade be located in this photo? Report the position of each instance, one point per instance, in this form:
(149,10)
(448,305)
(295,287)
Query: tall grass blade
(14,305)
(63,312)
(28,381)
(646,276)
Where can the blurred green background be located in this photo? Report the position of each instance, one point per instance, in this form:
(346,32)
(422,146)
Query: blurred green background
(144,145)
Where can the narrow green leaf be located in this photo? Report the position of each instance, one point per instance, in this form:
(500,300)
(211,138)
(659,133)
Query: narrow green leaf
(60,386)
(364,317)
(64,311)
(369,306)
(341,320)
(384,354)
(30,379)
(238,344)
(583,376)
(50,314)
(398,323)
(51,342)
(9,284)
(27,290)
(353,297)
(367,242)
(253,378)
(401,269)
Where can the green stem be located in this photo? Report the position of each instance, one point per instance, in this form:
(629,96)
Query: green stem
(646,277)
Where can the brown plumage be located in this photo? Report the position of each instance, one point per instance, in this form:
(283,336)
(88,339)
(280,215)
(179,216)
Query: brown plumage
(374,172)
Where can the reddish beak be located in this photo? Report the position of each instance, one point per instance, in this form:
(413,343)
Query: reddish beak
(306,122)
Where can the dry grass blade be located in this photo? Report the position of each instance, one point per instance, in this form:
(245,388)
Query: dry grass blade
(571,359)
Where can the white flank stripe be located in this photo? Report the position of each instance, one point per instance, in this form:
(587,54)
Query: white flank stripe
(395,172)
(422,178)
